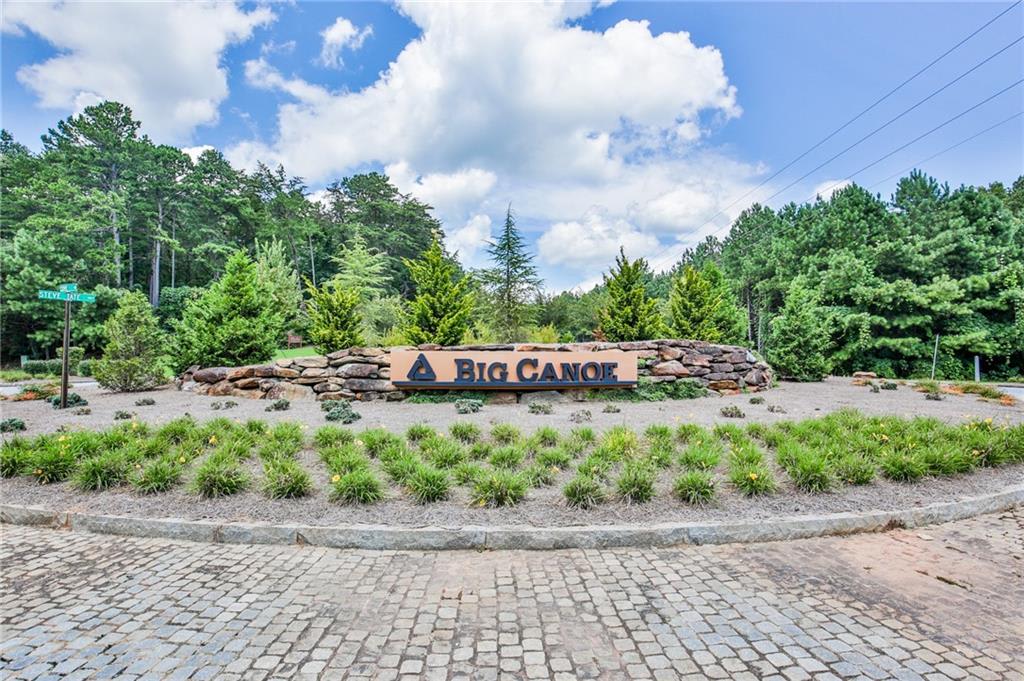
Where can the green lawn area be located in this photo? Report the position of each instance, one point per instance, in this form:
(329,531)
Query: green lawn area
(304,351)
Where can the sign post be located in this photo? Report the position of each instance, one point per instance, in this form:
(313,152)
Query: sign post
(67,293)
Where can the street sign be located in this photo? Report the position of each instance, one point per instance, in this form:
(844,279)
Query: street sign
(67,295)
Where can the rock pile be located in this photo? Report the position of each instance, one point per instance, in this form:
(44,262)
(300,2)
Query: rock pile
(365,373)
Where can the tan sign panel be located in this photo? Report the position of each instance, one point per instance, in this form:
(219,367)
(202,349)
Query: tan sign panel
(509,370)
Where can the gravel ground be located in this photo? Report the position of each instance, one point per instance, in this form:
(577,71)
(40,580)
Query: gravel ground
(543,506)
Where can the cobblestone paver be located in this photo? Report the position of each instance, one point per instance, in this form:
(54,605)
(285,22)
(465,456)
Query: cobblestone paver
(945,603)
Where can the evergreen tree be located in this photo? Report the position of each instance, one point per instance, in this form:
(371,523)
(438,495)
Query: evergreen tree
(361,269)
(334,319)
(132,358)
(443,306)
(701,307)
(512,282)
(278,277)
(799,339)
(236,321)
(726,316)
(630,314)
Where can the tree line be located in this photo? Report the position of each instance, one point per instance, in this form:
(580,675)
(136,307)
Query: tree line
(226,258)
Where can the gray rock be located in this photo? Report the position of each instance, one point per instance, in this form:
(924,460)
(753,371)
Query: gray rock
(549,396)
(368,384)
(315,362)
(210,375)
(357,371)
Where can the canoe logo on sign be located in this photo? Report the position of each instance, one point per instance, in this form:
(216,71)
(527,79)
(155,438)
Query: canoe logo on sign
(504,370)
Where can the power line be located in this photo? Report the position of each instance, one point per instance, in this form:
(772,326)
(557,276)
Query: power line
(857,117)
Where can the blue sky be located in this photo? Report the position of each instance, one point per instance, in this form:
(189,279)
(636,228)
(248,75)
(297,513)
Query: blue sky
(634,124)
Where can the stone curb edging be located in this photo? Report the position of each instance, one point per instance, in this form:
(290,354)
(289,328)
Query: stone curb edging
(382,537)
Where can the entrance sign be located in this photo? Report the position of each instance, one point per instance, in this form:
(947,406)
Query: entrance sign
(510,370)
(68,293)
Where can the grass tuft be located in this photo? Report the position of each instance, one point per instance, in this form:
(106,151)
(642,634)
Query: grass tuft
(694,487)
(499,488)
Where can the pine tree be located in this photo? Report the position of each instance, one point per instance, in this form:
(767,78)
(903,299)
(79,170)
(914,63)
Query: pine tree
(441,311)
(277,275)
(701,307)
(799,337)
(234,322)
(630,314)
(361,269)
(512,282)
(132,357)
(334,319)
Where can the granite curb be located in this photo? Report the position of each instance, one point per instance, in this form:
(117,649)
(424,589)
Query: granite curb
(382,537)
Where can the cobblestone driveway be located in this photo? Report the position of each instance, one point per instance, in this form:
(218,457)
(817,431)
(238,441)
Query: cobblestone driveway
(942,603)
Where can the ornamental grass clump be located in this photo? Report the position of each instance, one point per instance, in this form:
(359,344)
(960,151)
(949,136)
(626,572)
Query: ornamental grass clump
(218,476)
(752,480)
(289,435)
(332,436)
(903,466)
(158,475)
(376,440)
(555,457)
(545,436)
(467,473)
(694,487)
(595,466)
(419,431)
(811,472)
(499,488)
(539,475)
(508,457)
(179,430)
(52,460)
(400,466)
(636,482)
(583,434)
(102,472)
(465,432)
(428,484)
(344,459)
(583,492)
(442,452)
(661,452)
(505,433)
(480,450)
(359,486)
(618,443)
(658,432)
(854,470)
(15,457)
(286,479)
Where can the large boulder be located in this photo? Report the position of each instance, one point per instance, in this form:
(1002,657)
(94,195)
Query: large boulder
(369,384)
(290,391)
(357,371)
(315,362)
(210,375)
(670,368)
(240,372)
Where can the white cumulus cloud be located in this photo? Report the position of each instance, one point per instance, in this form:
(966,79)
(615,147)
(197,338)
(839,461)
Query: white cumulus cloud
(591,243)
(164,60)
(340,35)
(829,187)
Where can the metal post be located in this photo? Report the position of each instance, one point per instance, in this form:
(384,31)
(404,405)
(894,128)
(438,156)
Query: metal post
(64,357)
(977,369)
(935,355)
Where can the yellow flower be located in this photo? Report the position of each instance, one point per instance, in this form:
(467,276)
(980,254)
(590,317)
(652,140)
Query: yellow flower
(138,466)
(181,459)
(39,471)
(213,439)
(62,438)
(482,502)
(883,437)
(975,452)
(135,424)
(752,476)
(335,478)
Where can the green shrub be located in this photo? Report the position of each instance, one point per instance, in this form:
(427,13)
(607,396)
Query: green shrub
(546,436)
(376,440)
(158,475)
(122,415)
(342,412)
(732,412)
(583,492)
(219,476)
(555,457)
(752,480)
(145,402)
(694,487)
(74,400)
(332,436)
(799,337)
(507,457)
(86,368)
(505,433)
(855,470)
(342,459)
(480,450)
(278,405)
(442,452)
(133,356)
(468,406)
(15,458)
(42,367)
(419,431)
(610,409)
(334,318)
(465,432)
(756,400)
(11,425)
(811,472)
(636,482)
(52,461)
(581,416)
(540,408)
(102,472)
(889,385)
(428,484)
(499,488)
(443,306)
(285,479)
(401,467)
(357,487)
(467,472)
(903,466)
(583,434)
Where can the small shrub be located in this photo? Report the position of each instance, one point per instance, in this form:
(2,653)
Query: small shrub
(756,400)
(219,476)
(42,367)
(216,405)
(53,462)
(158,475)
(279,405)
(889,385)
(732,412)
(539,475)
(611,409)
(467,473)
(636,482)
(507,457)
(11,425)
(465,432)
(132,358)
(581,416)
(82,411)
(286,479)
(428,484)
(855,470)
(442,452)
(583,492)
(694,487)
(468,406)
(752,480)
(102,472)
(332,436)
(557,458)
(776,409)
(376,440)
(356,487)
(505,433)
(540,408)
(122,415)
(145,402)
(342,412)
(500,488)
(74,400)
(903,466)
(546,436)
(937,397)
(419,431)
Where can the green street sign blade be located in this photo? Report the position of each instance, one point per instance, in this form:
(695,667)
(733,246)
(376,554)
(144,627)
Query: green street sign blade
(83,297)
(65,295)
(68,288)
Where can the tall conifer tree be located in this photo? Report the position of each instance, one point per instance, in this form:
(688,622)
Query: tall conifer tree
(441,311)
(630,314)
(512,282)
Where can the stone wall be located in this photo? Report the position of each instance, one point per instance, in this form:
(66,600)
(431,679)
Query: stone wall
(365,373)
